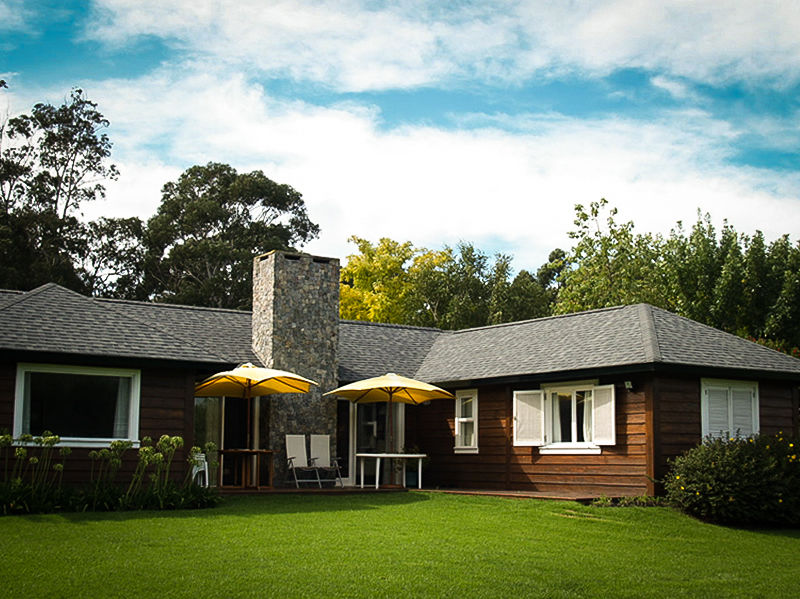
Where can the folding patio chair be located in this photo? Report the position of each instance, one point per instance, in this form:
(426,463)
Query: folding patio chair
(297,461)
(321,457)
(200,470)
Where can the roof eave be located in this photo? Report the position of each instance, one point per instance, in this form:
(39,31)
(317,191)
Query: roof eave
(620,370)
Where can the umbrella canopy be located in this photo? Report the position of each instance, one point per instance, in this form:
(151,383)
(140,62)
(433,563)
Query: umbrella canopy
(251,381)
(390,388)
(248,381)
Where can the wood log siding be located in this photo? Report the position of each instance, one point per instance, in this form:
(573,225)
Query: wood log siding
(777,409)
(678,415)
(618,470)
(165,395)
(677,406)
(8,374)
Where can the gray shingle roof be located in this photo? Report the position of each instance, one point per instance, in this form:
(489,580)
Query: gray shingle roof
(586,340)
(684,341)
(368,349)
(7,294)
(217,331)
(55,320)
(610,337)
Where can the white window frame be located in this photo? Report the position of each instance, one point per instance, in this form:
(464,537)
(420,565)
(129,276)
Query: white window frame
(565,447)
(133,405)
(538,404)
(729,386)
(461,395)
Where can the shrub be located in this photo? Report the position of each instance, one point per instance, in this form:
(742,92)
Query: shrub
(736,480)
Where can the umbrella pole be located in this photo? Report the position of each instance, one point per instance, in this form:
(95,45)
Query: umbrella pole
(391,441)
(249,437)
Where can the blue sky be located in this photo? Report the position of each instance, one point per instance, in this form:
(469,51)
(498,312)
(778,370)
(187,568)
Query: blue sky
(438,122)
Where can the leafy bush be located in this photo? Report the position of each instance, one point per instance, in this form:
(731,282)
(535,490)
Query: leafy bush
(752,481)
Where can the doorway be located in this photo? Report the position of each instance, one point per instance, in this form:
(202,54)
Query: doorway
(365,427)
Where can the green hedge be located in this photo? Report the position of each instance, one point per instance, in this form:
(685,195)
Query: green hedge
(749,481)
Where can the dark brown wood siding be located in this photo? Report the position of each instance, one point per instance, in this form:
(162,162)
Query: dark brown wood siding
(618,470)
(777,408)
(679,425)
(657,420)
(8,373)
(677,408)
(166,408)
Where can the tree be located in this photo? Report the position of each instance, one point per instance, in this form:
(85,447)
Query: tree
(728,281)
(528,298)
(211,222)
(449,288)
(52,161)
(114,263)
(375,283)
(783,322)
(692,266)
(727,307)
(610,265)
(756,297)
(429,294)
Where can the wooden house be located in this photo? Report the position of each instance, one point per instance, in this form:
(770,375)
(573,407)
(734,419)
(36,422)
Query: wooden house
(593,403)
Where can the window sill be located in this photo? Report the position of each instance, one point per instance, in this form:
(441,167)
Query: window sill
(465,450)
(570,449)
(78,442)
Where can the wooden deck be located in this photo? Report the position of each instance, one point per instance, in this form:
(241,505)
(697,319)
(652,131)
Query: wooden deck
(558,496)
(311,490)
(553,495)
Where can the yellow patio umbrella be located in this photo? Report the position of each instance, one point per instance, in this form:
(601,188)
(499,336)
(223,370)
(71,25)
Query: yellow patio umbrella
(391,388)
(248,381)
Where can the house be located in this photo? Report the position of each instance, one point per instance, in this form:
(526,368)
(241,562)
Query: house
(582,404)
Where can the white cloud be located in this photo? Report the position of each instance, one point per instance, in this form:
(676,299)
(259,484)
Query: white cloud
(432,186)
(14,16)
(358,45)
(673,87)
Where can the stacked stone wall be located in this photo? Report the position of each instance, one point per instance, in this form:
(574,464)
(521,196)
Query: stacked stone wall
(296,328)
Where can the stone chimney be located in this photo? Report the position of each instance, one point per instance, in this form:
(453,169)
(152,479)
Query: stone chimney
(296,328)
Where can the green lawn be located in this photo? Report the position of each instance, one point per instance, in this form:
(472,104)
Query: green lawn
(393,545)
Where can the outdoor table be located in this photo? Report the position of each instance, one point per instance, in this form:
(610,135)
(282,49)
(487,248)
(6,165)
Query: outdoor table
(392,456)
(245,460)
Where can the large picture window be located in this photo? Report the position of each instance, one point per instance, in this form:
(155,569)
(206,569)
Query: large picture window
(568,418)
(84,406)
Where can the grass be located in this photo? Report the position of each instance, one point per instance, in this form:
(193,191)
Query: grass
(389,545)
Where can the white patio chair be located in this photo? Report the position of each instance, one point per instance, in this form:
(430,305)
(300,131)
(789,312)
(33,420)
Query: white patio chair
(297,461)
(200,470)
(321,457)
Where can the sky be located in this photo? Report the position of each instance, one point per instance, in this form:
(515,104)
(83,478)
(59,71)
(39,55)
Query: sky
(437,122)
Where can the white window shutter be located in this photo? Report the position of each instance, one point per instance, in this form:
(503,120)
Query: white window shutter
(529,418)
(718,417)
(742,412)
(604,420)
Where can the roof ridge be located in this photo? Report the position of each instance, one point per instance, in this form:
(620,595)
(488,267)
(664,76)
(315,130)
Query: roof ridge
(540,319)
(25,295)
(170,305)
(650,341)
(391,325)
